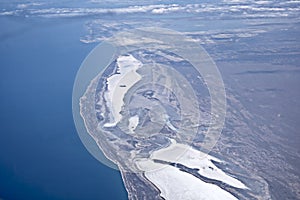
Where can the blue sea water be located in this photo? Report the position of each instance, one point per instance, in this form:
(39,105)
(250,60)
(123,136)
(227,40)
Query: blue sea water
(41,155)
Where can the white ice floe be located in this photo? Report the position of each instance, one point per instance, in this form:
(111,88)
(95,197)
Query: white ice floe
(118,85)
(175,184)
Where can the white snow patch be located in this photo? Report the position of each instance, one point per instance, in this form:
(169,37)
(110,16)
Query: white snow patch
(133,122)
(175,184)
(193,158)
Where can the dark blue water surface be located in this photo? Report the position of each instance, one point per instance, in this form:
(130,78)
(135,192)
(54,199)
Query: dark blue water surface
(41,155)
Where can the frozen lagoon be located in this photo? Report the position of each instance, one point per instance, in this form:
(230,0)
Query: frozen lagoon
(177,184)
(119,83)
